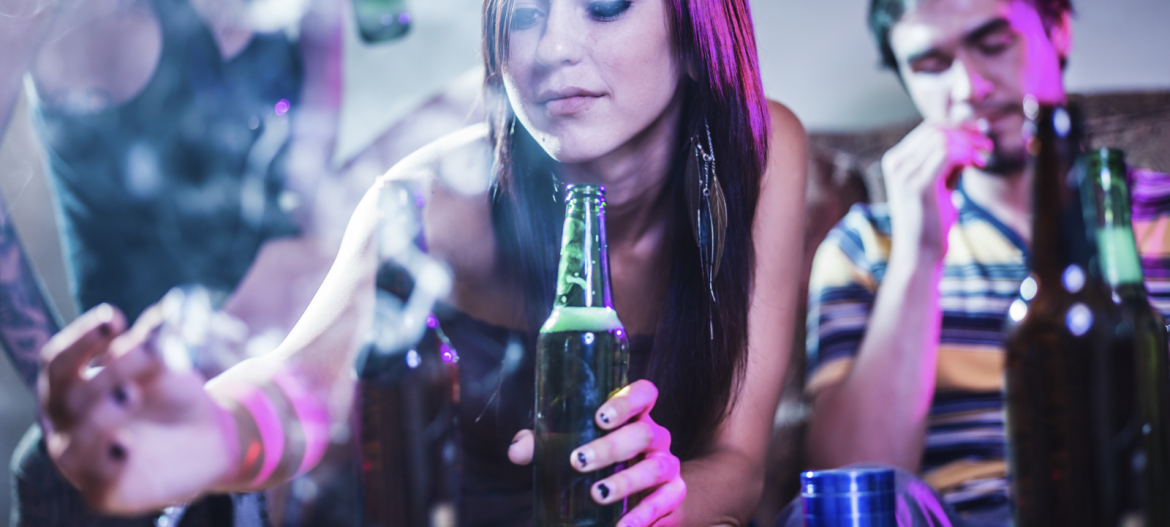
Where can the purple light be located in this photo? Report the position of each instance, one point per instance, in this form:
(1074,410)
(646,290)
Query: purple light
(449,355)
(432,321)
(281,107)
(404,18)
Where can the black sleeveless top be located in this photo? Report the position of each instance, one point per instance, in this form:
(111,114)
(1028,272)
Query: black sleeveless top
(497,379)
(179,184)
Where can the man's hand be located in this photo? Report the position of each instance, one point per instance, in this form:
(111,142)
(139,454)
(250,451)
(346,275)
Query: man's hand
(920,173)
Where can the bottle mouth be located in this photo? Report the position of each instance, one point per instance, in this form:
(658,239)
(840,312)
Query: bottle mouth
(584,189)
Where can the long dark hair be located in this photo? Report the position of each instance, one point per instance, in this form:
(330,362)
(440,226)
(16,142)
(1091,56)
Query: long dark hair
(697,375)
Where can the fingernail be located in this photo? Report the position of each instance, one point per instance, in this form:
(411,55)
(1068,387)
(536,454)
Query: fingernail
(117,453)
(104,313)
(607,416)
(603,490)
(583,457)
(120,394)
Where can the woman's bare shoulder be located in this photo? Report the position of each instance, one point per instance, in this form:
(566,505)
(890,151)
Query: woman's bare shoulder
(787,149)
(782,188)
(786,128)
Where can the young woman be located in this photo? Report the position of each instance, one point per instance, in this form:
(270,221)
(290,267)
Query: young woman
(623,93)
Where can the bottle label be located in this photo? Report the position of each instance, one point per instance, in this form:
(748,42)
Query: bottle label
(581,319)
(1119,255)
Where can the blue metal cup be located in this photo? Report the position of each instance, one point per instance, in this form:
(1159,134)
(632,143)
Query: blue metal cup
(853,497)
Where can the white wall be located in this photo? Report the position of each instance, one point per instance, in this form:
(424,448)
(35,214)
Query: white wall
(817,56)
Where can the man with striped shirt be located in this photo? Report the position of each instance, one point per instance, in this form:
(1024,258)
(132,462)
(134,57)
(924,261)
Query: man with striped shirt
(908,298)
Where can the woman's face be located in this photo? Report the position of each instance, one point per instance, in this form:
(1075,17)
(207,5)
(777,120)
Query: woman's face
(586,76)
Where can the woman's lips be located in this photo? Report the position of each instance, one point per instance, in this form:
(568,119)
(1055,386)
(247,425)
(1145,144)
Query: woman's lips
(569,105)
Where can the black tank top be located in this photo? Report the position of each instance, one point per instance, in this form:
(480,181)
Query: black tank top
(179,184)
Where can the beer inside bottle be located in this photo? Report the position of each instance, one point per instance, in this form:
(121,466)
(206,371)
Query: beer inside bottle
(1146,477)
(1067,417)
(581,358)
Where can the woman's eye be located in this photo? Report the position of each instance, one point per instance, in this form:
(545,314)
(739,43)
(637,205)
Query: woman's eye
(608,10)
(524,17)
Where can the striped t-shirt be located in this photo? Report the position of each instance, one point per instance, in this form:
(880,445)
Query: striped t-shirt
(964,455)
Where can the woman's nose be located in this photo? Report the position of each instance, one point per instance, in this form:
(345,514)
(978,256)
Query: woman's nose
(560,43)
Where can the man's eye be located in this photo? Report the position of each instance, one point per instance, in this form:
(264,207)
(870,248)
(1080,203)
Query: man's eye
(995,44)
(524,17)
(930,65)
(608,10)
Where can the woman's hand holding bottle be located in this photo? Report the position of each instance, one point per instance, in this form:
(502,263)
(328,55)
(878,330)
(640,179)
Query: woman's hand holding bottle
(633,436)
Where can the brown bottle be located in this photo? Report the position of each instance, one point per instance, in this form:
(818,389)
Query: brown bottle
(1067,381)
(408,390)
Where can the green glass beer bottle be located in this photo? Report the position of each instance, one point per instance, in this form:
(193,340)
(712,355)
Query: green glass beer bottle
(1063,405)
(1142,333)
(581,358)
(381,20)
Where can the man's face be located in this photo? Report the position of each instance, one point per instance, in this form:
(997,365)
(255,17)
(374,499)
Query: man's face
(970,63)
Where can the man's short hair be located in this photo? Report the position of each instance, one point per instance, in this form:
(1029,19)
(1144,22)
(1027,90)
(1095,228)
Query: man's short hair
(883,14)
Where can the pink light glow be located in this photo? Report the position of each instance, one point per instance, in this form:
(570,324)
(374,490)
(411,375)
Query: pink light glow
(281,107)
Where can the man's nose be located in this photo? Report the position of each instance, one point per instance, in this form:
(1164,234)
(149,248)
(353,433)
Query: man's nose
(969,86)
(560,43)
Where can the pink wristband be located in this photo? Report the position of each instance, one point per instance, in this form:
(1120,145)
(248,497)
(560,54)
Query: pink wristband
(312,415)
(267,421)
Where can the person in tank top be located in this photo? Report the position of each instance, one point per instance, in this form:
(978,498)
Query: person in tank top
(167,126)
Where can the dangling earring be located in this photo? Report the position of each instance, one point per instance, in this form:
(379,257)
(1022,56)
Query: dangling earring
(707,208)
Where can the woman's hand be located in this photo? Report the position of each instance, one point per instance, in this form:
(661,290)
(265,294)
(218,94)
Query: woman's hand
(139,434)
(634,436)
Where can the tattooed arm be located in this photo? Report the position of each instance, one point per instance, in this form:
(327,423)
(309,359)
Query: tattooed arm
(26,320)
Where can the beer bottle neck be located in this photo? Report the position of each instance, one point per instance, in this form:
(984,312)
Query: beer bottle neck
(1118,252)
(1057,218)
(583,275)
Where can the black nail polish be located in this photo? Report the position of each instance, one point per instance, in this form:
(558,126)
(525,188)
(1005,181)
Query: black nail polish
(603,490)
(119,394)
(117,453)
(581,460)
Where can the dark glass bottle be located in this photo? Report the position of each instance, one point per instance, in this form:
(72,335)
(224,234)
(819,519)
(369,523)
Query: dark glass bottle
(381,20)
(1142,333)
(407,395)
(1064,406)
(581,358)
